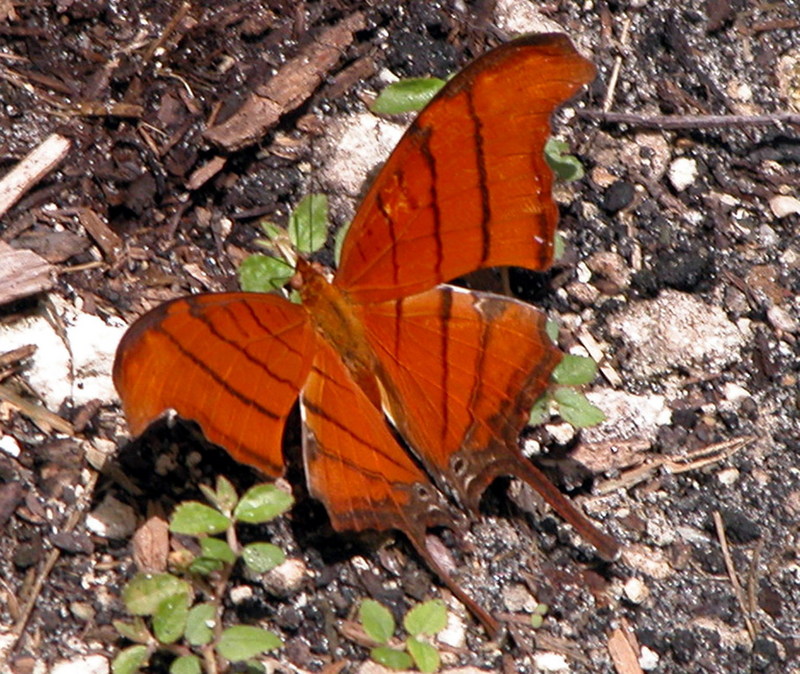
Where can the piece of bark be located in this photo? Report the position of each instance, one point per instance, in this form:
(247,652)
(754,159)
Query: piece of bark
(104,236)
(291,85)
(22,273)
(36,164)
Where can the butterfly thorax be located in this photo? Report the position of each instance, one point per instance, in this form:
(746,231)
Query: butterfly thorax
(335,319)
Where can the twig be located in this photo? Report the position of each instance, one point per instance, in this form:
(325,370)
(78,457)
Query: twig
(667,122)
(612,81)
(37,164)
(41,416)
(50,562)
(737,588)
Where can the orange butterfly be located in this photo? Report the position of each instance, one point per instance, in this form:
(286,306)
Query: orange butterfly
(386,348)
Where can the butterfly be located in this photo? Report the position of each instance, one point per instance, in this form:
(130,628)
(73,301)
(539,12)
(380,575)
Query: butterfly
(412,392)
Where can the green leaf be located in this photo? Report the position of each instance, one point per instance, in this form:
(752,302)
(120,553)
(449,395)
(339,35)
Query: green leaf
(338,242)
(541,609)
(376,620)
(425,656)
(262,503)
(200,624)
(264,273)
(427,618)
(262,557)
(391,657)
(308,223)
(195,519)
(226,496)
(551,328)
(272,231)
(186,664)
(147,590)
(214,548)
(574,371)
(246,641)
(407,95)
(205,566)
(540,412)
(565,166)
(559,246)
(169,620)
(130,660)
(136,631)
(537,621)
(575,409)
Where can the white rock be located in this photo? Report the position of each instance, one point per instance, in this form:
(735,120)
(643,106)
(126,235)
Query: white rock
(241,593)
(728,476)
(677,330)
(9,445)
(358,144)
(780,319)
(735,393)
(628,416)
(52,373)
(682,172)
(513,16)
(635,590)
(783,205)
(112,519)
(550,662)
(88,664)
(455,634)
(648,659)
(286,578)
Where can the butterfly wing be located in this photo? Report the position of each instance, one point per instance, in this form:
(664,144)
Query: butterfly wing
(356,468)
(460,371)
(468,186)
(232,362)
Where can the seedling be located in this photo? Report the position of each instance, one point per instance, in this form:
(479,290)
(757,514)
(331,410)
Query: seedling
(421,623)
(167,615)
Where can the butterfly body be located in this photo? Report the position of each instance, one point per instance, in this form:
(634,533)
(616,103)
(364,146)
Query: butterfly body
(412,392)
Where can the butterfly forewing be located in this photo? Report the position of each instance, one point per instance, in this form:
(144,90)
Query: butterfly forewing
(467,187)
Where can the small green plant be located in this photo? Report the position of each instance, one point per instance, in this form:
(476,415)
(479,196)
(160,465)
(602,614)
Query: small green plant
(407,95)
(566,166)
(562,396)
(166,614)
(537,617)
(306,232)
(421,623)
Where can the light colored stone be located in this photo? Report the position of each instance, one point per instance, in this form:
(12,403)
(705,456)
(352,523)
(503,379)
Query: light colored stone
(628,416)
(783,205)
(9,445)
(682,173)
(285,579)
(455,633)
(780,319)
(635,590)
(550,662)
(735,393)
(648,659)
(112,519)
(677,330)
(515,17)
(518,599)
(89,664)
(728,477)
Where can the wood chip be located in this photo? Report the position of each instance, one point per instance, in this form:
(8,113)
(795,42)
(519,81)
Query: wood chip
(104,236)
(22,273)
(37,164)
(288,89)
(207,171)
(623,648)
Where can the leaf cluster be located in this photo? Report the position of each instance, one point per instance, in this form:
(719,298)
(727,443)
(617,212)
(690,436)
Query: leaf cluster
(166,614)
(421,623)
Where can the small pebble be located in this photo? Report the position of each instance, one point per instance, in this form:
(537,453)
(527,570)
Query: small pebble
(285,579)
(780,319)
(728,476)
(648,659)
(112,519)
(635,590)
(783,205)
(682,173)
(550,662)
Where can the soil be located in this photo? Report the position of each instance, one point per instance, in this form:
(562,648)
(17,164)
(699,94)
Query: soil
(145,207)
